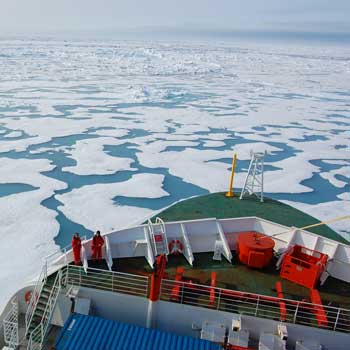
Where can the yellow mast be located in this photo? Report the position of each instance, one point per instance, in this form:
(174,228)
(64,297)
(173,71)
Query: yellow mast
(230,190)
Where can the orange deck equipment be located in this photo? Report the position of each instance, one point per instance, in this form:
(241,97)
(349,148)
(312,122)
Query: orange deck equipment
(255,249)
(303,266)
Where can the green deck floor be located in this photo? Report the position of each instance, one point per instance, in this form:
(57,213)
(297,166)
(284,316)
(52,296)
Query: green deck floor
(237,276)
(216,205)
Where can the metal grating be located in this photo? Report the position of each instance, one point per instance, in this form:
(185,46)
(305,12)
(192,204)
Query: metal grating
(90,332)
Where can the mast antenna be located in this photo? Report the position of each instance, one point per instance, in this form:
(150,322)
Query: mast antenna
(254,181)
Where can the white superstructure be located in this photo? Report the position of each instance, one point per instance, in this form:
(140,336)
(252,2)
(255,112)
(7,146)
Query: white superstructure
(124,297)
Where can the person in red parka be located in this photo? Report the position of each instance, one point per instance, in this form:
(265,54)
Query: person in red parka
(76,246)
(96,246)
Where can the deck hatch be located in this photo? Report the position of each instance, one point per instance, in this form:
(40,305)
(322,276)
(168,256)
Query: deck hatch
(82,332)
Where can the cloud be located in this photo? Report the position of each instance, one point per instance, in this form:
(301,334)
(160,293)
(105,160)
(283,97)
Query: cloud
(90,15)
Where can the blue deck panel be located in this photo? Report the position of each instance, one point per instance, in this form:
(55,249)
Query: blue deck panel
(95,333)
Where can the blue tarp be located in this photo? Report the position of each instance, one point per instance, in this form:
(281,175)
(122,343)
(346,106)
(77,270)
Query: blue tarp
(82,332)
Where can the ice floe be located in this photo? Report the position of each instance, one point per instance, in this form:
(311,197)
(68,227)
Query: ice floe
(94,208)
(92,160)
(13,134)
(27,227)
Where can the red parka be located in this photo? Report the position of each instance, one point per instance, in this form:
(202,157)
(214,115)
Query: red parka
(76,246)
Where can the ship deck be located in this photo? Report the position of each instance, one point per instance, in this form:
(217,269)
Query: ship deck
(236,276)
(238,288)
(216,205)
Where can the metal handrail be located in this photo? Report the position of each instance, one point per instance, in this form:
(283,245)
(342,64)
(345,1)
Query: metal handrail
(150,226)
(151,230)
(161,223)
(298,312)
(34,299)
(118,282)
(37,336)
(10,324)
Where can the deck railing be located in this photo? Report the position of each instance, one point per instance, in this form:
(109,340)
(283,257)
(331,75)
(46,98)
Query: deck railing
(297,312)
(117,282)
(10,324)
(262,306)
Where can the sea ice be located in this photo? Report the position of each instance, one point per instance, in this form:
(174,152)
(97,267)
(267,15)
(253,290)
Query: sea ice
(27,227)
(93,205)
(185,107)
(92,160)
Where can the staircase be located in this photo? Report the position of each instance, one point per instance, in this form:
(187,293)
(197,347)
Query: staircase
(41,318)
(40,306)
(158,237)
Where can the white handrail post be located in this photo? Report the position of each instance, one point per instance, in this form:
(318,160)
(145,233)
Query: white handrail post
(112,282)
(257,306)
(147,286)
(42,334)
(296,312)
(336,320)
(182,291)
(219,299)
(67,275)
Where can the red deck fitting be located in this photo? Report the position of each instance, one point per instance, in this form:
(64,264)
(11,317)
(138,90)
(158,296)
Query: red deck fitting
(282,304)
(303,266)
(157,276)
(255,249)
(175,292)
(318,309)
(158,238)
(212,289)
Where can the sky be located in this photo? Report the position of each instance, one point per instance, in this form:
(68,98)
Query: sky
(48,16)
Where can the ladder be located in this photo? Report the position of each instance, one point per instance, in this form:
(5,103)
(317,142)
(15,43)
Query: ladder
(36,336)
(158,237)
